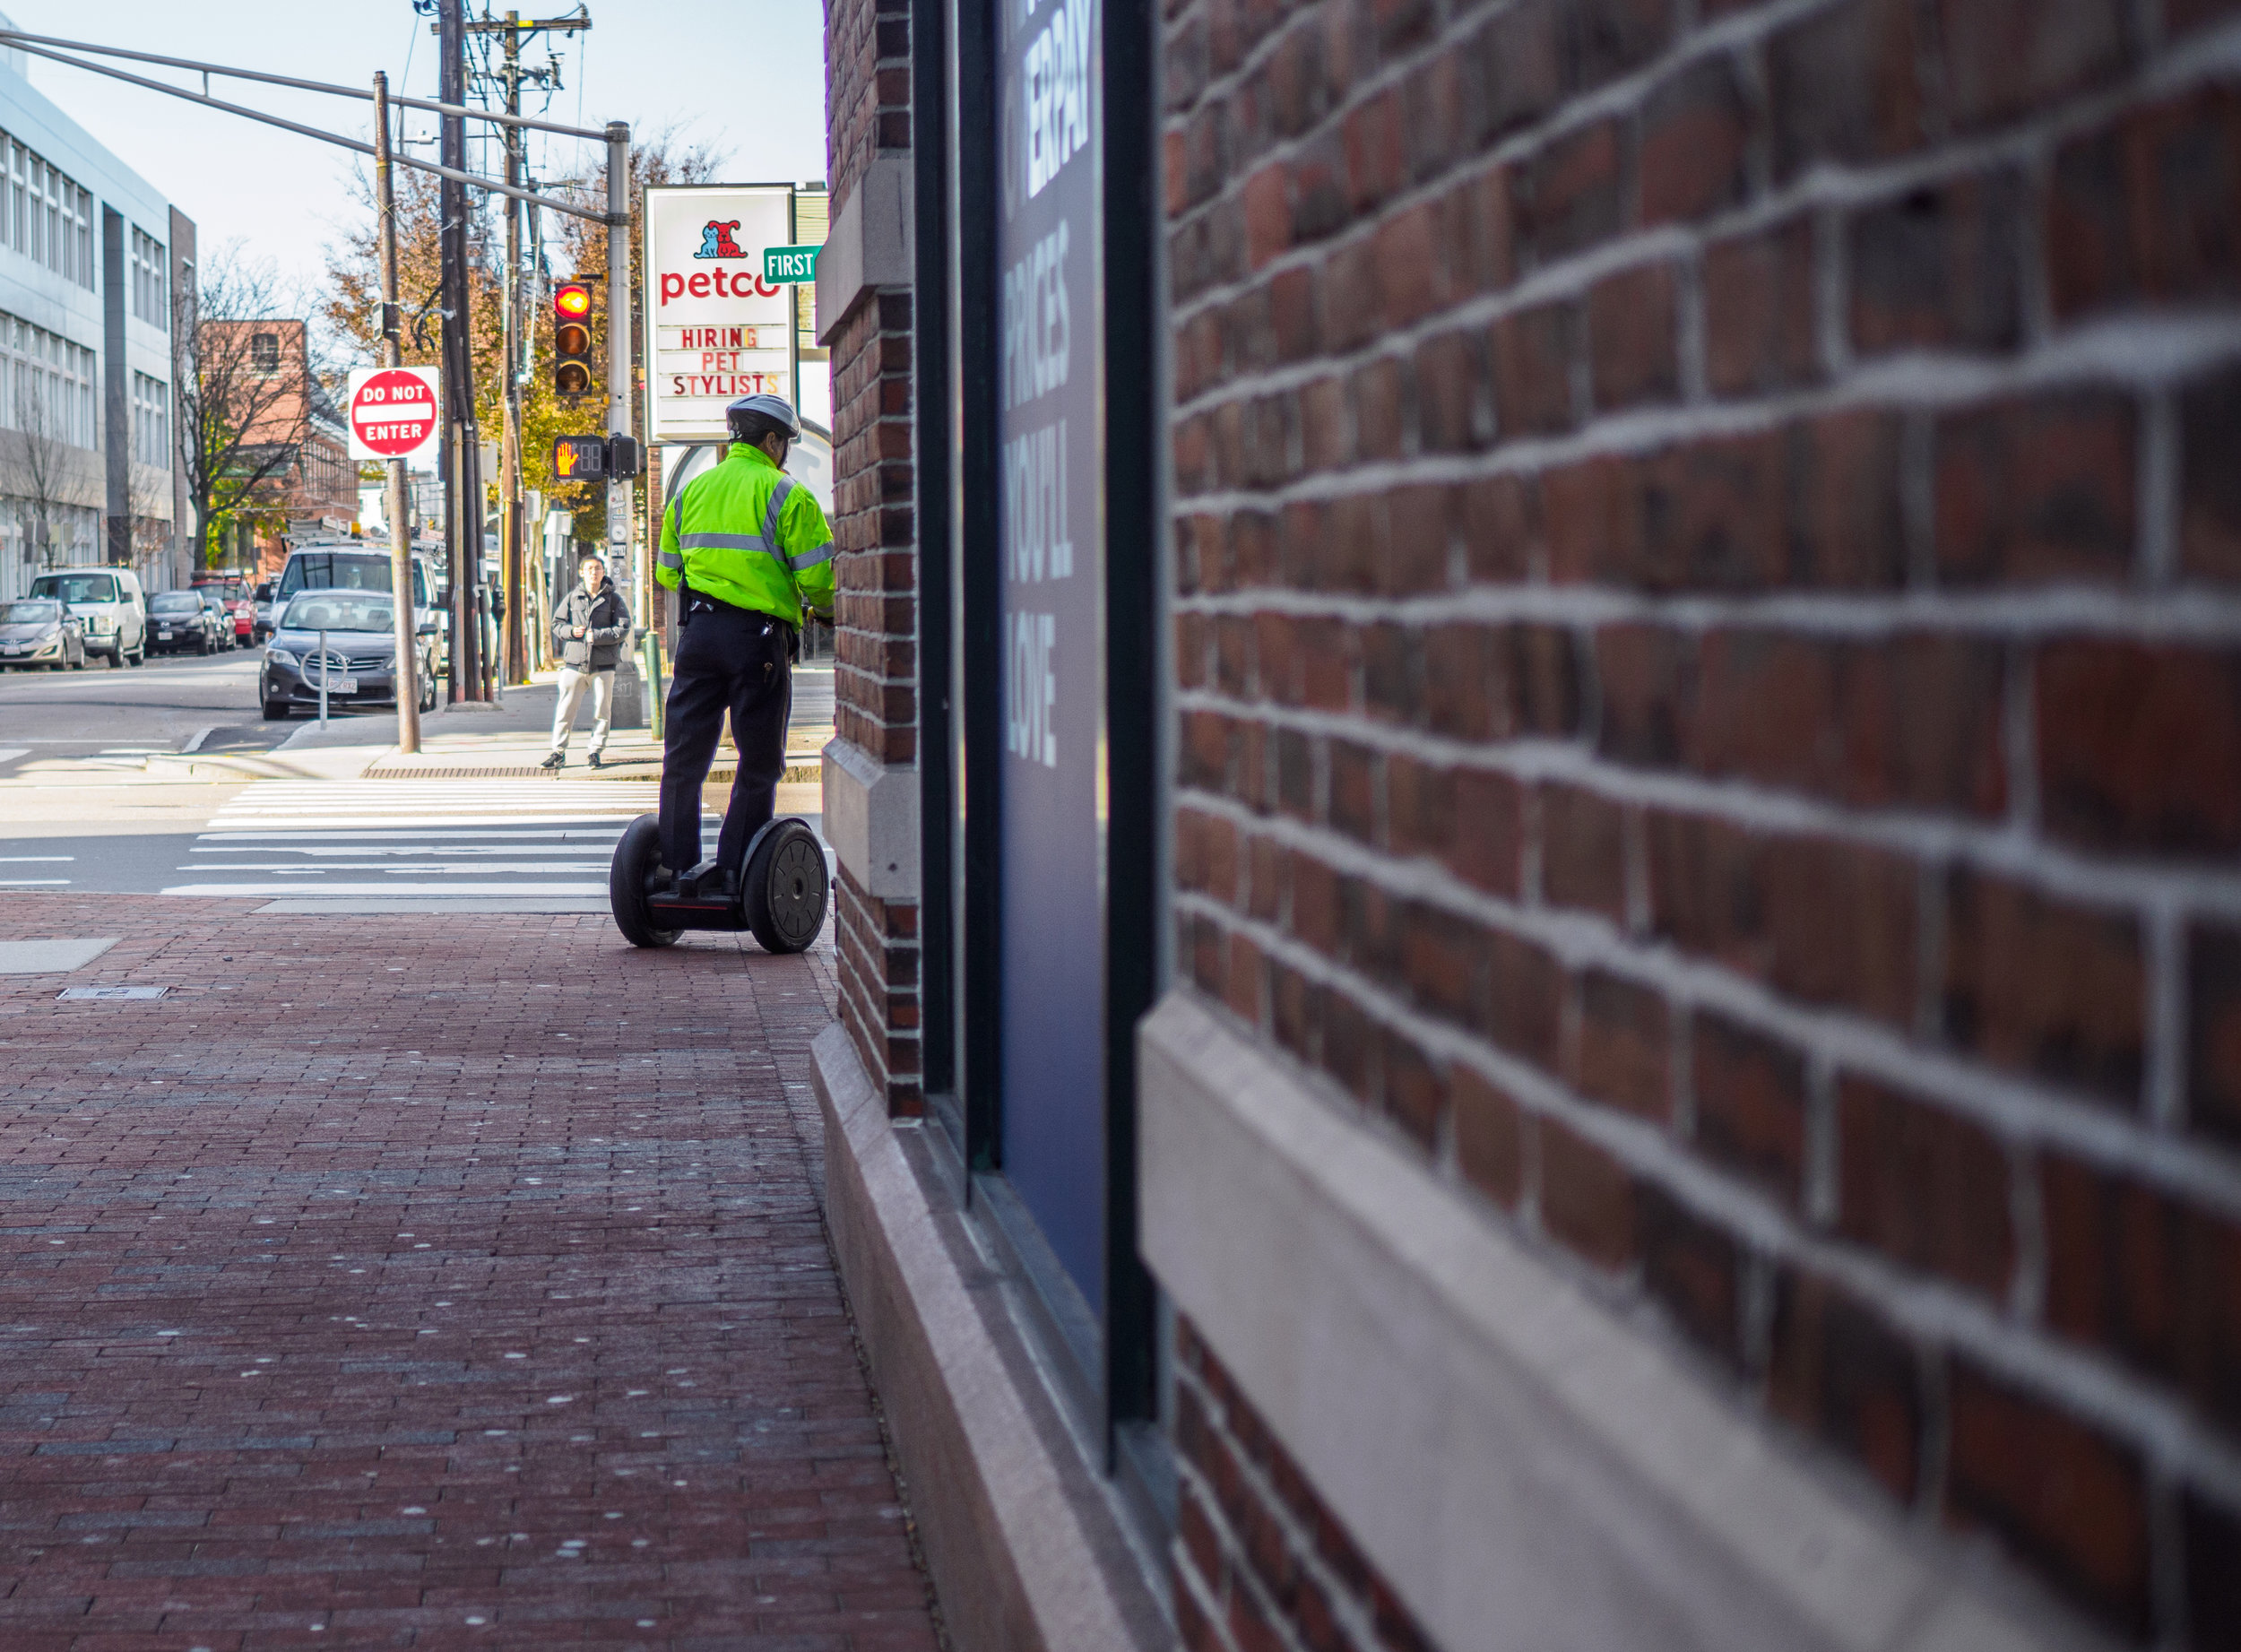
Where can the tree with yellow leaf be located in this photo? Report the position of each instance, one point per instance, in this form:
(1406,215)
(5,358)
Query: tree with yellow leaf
(573,245)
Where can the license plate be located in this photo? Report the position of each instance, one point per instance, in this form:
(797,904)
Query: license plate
(15,648)
(338,685)
(164,634)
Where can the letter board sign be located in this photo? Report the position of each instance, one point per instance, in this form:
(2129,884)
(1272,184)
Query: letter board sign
(717,328)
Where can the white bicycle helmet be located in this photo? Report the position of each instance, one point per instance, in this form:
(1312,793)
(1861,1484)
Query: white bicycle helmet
(773,407)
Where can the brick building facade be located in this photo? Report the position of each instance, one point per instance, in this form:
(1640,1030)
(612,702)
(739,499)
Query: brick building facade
(875,609)
(292,441)
(1695,1099)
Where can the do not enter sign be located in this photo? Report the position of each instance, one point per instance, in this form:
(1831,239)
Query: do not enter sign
(392,412)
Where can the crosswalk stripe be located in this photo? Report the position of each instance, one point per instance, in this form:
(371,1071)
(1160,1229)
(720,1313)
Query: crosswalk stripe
(525,838)
(392,833)
(401,887)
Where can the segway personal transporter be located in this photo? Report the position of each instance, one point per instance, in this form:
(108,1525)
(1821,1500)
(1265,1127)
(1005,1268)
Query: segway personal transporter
(781,900)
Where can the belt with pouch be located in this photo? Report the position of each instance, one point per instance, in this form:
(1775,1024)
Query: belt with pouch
(691,602)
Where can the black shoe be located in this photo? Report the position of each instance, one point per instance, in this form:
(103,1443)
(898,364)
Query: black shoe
(595,762)
(557,761)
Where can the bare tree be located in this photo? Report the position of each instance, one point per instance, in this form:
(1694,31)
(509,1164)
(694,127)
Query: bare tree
(244,401)
(41,461)
(151,500)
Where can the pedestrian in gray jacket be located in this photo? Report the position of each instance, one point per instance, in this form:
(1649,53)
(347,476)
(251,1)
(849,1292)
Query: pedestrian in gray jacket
(588,632)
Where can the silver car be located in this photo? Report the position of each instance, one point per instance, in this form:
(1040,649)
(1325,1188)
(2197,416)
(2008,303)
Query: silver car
(39,633)
(346,639)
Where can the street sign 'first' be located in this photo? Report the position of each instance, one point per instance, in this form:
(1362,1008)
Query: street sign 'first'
(790,264)
(394,413)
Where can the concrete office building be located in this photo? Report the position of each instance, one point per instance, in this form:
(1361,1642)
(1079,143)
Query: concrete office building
(91,256)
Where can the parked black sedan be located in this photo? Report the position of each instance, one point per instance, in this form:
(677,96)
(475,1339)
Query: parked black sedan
(40,634)
(180,620)
(358,664)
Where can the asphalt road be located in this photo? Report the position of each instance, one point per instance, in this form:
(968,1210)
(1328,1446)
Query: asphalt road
(173,703)
(94,790)
(166,779)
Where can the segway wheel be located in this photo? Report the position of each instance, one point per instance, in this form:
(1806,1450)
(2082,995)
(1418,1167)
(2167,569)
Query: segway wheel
(628,875)
(785,886)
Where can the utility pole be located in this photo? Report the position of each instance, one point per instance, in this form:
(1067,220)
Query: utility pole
(407,670)
(511,528)
(620,358)
(510,456)
(462,485)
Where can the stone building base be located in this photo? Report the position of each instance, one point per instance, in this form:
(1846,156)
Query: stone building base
(1028,1553)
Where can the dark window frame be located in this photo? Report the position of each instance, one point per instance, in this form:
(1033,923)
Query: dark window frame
(956,89)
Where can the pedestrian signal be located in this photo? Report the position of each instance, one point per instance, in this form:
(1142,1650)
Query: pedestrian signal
(579,458)
(572,340)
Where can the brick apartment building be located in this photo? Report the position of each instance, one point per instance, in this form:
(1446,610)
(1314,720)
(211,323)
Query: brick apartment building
(295,442)
(1537,787)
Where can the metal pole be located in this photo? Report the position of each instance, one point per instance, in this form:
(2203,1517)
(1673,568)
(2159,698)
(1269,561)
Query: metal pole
(463,503)
(495,185)
(620,358)
(541,636)
(323,679)
(407,674)
(446,468)
(34,42)
(516,652)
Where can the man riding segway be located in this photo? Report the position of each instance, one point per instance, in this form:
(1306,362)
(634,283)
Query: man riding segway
(747,551)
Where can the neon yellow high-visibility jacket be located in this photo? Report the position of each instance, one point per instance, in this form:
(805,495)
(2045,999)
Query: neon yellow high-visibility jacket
(747,534)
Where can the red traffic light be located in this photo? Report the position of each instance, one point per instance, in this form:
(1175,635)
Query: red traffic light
(572,340)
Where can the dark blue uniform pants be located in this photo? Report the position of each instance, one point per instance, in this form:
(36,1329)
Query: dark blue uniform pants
(726,659)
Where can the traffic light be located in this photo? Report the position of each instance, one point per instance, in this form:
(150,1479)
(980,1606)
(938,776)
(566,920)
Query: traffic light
(579,458)
(572,340)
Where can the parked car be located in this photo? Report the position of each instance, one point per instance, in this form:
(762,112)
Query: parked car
(261,627)
(358,663)
(227,636)
(179,621)
(39,633)
(349,564)
(240,605)
(111,603)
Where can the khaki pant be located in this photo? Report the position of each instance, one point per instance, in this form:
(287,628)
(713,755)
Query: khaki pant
(572,683)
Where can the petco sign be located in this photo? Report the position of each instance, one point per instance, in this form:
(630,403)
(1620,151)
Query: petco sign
(720,328)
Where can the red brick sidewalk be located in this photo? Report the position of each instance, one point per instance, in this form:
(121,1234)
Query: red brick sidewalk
(407,1282)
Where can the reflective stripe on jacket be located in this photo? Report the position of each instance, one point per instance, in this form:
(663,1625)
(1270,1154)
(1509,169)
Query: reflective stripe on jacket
(747,534)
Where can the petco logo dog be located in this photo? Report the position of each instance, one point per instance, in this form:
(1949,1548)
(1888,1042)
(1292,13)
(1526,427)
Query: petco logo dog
(716,242)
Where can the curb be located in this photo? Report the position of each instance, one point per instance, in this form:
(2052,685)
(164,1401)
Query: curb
(797,773)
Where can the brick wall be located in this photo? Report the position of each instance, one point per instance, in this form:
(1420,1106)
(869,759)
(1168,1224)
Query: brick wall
(1709,674)
(1262,1549)
(874,613)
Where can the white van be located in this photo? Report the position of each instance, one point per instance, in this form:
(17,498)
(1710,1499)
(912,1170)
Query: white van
(111,603)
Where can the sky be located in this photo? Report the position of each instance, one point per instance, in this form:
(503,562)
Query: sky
(745,78)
